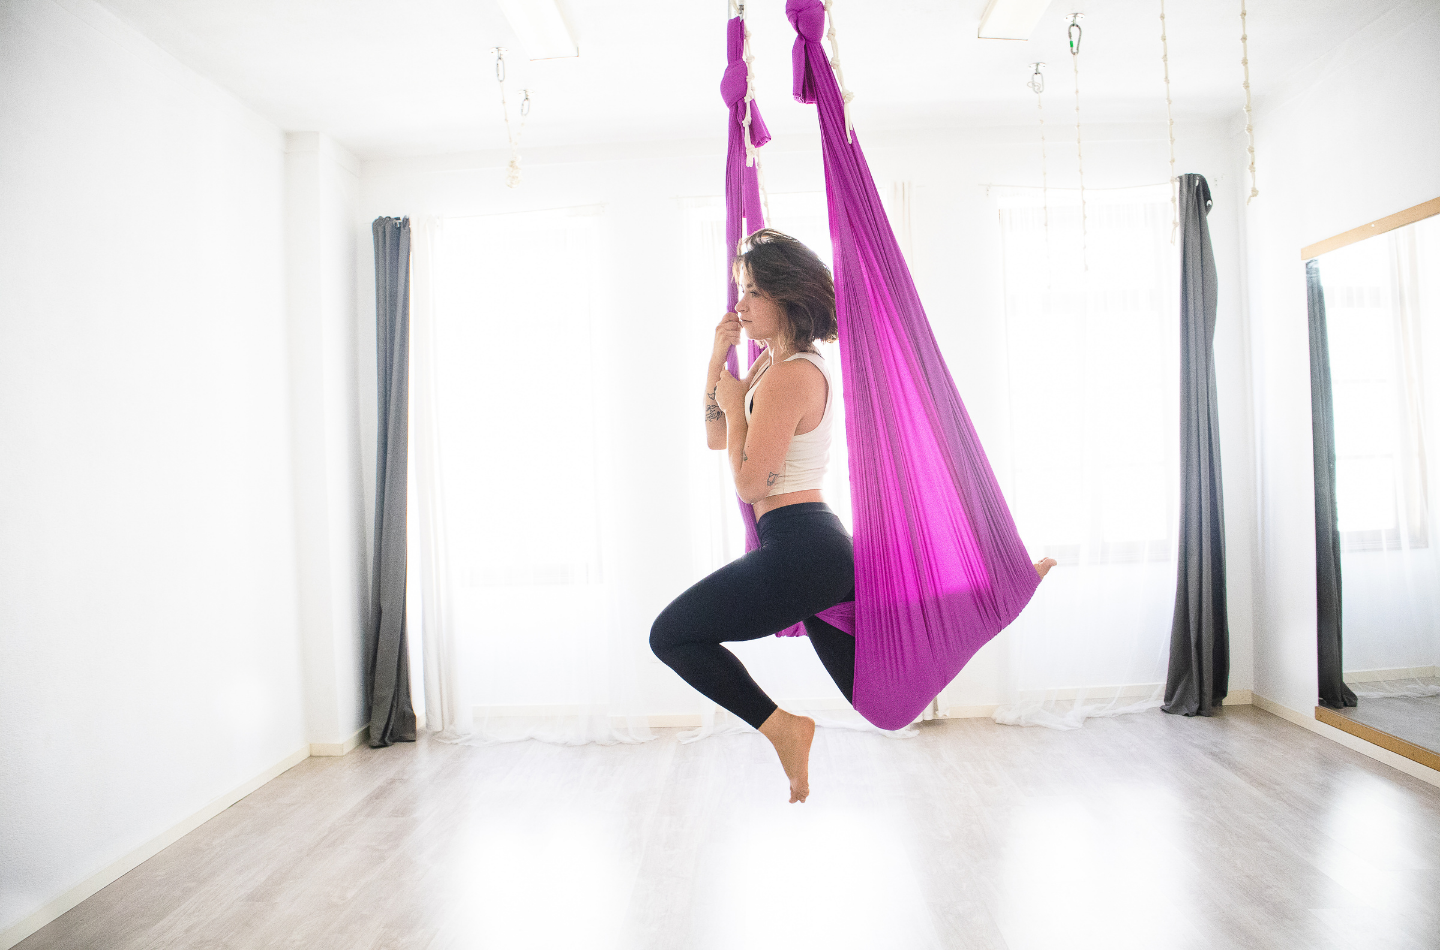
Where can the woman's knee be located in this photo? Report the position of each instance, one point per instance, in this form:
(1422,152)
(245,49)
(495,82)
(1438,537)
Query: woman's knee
(664,635)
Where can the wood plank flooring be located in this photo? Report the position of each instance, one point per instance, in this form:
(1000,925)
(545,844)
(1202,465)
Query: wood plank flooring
(1148,831)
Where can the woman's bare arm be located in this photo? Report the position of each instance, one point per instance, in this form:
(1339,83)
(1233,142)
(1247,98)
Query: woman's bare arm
(727,334)
(714,415)
(715,426)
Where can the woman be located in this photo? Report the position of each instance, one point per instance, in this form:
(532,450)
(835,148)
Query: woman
(776,427)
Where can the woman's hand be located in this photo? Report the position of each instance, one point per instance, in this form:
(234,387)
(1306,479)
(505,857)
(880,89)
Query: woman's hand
(730,395)
(727,334)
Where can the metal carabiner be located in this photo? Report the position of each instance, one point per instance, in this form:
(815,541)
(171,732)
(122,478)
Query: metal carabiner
(525,104)
(499,52)
(1037,81)
(1074,33)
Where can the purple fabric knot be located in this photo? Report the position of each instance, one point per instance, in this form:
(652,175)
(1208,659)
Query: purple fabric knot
(732,84)
(808,18)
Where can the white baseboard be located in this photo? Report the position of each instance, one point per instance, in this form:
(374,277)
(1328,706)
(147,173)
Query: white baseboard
(340,748)
(1308,721)
(682,721)
(1237,697)
(1128,691)
(1380,676)
(145,852)
(968,712)
(802,706)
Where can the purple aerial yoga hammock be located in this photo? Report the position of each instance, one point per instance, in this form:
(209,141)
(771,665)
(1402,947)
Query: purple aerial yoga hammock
(939,566)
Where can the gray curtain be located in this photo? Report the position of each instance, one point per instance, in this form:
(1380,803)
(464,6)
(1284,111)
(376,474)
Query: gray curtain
(1333,691)
(1199,674)
(392,717)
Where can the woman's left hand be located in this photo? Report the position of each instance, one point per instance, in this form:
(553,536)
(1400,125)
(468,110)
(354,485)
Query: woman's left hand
(730,395)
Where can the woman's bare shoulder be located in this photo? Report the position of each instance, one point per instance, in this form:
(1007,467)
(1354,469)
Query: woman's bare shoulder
(798,379)
(803,372)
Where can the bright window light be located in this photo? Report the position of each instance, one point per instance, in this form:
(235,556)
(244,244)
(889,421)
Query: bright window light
(1094,363)
(541,28)
(1011,19)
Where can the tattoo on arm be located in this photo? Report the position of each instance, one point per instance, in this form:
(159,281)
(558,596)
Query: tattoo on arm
(770,479)
(713,412)
(743,456)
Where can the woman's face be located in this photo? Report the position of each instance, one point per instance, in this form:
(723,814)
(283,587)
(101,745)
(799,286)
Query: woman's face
(761,316)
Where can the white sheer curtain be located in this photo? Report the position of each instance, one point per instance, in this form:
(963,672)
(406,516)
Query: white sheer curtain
(516,591)
(1094,391)
(1383,317)
(434,646)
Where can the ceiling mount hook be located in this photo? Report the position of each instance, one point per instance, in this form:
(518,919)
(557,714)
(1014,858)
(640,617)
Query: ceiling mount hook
(1037,80)
(499,52)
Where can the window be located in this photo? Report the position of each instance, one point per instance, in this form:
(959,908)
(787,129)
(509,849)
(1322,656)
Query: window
(513,296)
(1094,356)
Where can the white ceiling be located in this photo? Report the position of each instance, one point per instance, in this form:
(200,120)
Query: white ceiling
(392,78)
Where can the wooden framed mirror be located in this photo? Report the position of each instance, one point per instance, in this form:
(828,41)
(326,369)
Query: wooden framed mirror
(1374,312)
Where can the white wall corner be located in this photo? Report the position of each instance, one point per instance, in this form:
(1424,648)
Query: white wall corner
(341,748)
(335,153)
(322,191)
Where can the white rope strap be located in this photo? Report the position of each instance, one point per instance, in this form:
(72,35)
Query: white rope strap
(1170,124)
(1037,84)
(1075,35)
(1249,118)
(752,154)
(845,94)
(512,171)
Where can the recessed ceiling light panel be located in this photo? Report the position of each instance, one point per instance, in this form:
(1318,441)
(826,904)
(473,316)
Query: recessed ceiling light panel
(540,28)
(1011,19)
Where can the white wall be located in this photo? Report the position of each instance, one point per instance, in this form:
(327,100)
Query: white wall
(956,265)
(1351,138)
(147,568)
(321,189)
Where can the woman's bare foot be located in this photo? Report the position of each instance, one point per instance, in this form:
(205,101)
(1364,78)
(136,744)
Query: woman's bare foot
(791,736)
(1042,566)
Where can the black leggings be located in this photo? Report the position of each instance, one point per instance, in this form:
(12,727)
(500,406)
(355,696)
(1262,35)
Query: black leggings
(804,564)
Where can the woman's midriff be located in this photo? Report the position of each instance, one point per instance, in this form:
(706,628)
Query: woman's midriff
(771,502)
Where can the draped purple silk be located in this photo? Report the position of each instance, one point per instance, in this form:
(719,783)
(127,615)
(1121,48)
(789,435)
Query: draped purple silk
(939,566)
(742,199)
(744,215)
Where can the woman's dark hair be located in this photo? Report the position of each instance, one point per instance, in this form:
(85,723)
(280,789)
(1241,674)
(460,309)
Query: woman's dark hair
(786,270)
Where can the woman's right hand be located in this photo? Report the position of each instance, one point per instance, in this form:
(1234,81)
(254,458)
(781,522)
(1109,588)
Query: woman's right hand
(727,334)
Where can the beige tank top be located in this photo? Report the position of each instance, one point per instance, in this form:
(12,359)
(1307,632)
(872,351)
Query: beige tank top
(809,454)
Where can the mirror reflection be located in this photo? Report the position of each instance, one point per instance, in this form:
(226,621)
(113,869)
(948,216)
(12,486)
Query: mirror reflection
(1382,311)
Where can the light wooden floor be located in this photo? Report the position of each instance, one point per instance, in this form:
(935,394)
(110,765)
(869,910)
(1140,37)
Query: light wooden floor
(1149,831)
